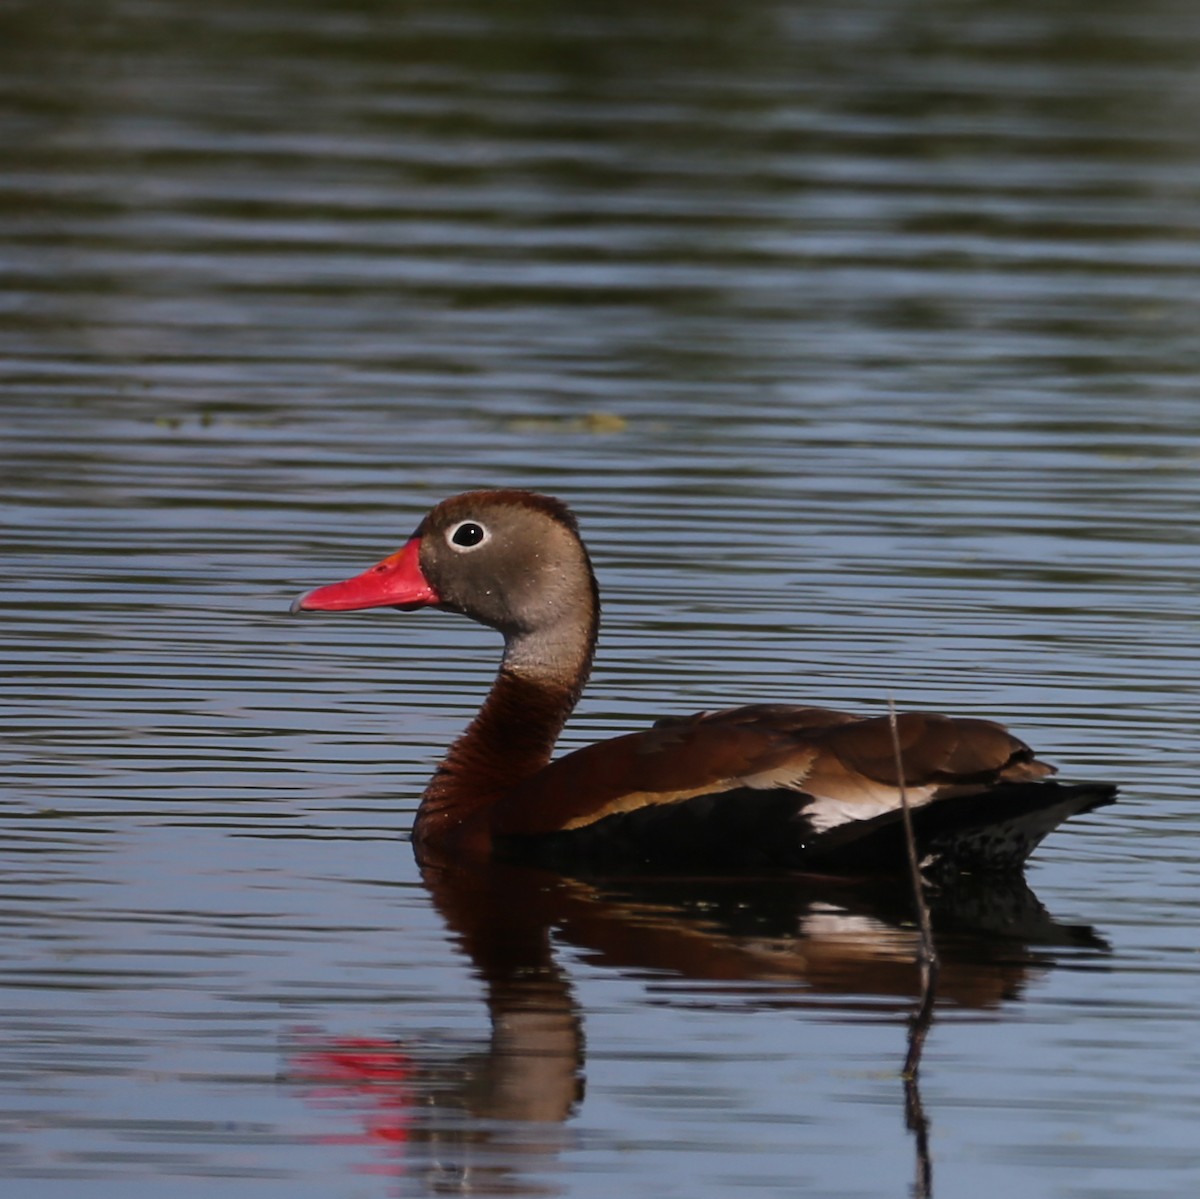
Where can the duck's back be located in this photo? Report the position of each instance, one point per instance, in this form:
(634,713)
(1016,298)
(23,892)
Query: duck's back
(774,786)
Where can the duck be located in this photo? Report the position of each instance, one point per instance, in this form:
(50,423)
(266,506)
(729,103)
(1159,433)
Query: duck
(760,787)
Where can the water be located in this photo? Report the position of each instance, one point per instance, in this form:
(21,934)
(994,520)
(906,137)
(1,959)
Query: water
(862,339)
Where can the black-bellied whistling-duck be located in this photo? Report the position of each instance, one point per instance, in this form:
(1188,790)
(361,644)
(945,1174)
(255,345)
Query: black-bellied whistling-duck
(763,786)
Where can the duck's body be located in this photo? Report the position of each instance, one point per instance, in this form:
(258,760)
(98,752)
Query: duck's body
(764,786)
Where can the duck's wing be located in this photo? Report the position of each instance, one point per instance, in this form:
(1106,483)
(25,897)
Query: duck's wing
(831,766)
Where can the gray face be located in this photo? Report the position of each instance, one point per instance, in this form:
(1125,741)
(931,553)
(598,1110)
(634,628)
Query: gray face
(508,560)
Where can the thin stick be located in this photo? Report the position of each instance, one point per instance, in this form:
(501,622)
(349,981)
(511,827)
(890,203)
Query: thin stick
(928,954)
(927,960)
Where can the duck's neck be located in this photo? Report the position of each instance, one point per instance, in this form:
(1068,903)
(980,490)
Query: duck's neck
(513,736)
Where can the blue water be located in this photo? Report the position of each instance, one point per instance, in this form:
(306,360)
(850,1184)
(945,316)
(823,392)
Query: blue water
(862,339)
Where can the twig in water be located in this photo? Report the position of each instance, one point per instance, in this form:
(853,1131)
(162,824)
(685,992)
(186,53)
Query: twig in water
(927,960)
(928,954)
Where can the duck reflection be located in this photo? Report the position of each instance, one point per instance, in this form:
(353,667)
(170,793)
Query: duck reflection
(489,1118)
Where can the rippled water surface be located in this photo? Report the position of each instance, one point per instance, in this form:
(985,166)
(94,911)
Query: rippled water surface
(862,336)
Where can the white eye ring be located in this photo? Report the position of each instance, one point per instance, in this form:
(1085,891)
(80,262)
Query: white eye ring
(466,536)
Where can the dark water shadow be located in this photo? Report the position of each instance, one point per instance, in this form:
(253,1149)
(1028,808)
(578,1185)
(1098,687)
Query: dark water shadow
(487,1117)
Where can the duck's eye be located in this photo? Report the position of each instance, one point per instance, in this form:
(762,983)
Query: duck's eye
(466,535)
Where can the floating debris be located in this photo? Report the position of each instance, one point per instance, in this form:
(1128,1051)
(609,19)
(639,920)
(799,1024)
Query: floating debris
(590,422)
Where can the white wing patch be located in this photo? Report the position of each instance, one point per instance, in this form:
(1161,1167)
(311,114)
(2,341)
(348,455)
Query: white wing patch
(825,813)
(791,776)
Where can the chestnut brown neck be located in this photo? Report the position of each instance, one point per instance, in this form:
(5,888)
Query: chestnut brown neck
(540,680)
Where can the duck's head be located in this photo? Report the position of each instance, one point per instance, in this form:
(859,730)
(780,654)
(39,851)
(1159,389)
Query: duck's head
(512,560)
